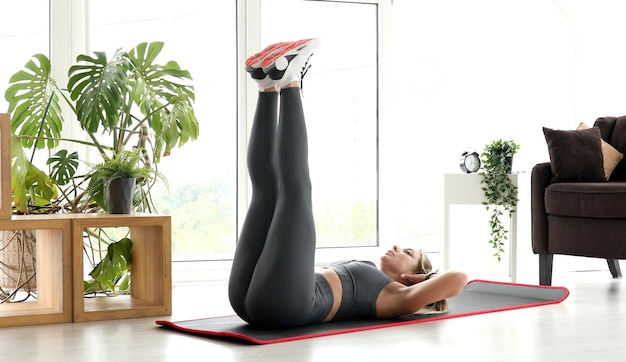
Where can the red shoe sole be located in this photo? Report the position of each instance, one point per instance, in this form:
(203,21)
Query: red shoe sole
(260,56)
(275,55)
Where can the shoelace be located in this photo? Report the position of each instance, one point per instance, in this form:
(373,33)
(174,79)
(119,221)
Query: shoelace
(303,72)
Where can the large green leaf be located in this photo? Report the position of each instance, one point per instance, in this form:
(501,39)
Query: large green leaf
(178,126)
(34,104)
(163,97)
(112,271)
(99,88)
(28,183)
(63,167)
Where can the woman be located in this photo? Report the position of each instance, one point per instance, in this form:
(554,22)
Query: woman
(273,283)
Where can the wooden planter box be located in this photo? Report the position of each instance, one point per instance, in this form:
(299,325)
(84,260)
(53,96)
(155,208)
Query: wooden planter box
(54,278)
(150,270)
(60,270)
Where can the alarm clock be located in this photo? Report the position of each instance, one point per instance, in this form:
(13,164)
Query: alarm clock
(470,161)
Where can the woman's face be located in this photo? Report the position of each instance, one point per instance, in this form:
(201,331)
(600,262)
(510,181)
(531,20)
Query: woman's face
(399,260)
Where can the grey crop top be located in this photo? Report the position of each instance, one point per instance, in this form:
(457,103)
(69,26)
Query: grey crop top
(361,282)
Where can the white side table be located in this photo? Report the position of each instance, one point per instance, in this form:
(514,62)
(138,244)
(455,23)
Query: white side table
(466,189)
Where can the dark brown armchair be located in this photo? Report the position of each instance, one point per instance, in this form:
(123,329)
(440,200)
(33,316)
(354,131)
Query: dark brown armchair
(583,217)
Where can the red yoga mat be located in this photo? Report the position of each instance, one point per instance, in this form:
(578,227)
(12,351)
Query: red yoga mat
(478,297)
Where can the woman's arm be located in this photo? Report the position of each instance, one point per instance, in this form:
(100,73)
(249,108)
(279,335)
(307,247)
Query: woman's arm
(397,299)
(418,278)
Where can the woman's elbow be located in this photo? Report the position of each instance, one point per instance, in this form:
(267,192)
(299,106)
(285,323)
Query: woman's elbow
(457,280)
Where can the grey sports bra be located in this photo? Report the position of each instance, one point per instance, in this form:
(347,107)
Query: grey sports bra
(361,283)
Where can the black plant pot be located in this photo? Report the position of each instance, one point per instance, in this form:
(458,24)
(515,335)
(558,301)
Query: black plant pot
(120,195)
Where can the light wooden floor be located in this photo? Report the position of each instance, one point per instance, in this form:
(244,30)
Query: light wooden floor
(589,326)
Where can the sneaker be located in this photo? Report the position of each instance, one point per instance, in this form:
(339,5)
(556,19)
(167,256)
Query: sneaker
(253,65)
(286,64)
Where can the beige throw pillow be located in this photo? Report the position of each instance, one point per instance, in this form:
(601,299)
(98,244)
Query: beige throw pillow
(610,155)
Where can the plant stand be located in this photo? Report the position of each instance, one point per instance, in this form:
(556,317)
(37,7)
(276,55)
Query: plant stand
(60,271)
(54,273)
(466,189)
(150,270)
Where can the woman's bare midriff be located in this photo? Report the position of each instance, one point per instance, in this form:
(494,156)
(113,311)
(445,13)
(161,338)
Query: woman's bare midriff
(335,285)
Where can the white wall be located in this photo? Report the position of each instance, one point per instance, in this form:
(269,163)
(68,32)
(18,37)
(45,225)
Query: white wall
(600,57)
(469,72)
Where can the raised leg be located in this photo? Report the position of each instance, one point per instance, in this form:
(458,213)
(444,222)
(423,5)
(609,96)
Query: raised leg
(283,285)
(272,281)
(261,210)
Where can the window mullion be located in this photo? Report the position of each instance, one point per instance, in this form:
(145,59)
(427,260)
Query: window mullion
(68,38)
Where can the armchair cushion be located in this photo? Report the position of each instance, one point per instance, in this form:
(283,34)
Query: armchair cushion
(576,155)
(610,156)
(586,199)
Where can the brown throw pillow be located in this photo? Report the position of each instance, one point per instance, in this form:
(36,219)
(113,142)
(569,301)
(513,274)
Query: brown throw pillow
(575,155)
(610,155)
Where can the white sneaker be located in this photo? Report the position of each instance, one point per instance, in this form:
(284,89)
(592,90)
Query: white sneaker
(253,65)
(289,62)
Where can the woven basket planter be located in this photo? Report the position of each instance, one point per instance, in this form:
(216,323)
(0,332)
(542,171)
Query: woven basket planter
(18,260)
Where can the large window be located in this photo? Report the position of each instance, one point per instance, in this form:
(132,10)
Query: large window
(340,96)
(341,106)
(342,117)
(19,42)
(201,37)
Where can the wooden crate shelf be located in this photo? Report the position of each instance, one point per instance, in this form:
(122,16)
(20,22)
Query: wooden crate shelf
(151,281)
(54,277)
(60,270)
(5,167)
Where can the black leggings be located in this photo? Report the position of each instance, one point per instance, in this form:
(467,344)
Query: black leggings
(273,282)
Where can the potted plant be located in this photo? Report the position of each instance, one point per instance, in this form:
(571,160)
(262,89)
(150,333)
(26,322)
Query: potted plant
(112,182)
(124,102)
(500,192)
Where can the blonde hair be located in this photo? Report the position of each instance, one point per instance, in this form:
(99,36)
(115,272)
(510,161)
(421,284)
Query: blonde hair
(423,267)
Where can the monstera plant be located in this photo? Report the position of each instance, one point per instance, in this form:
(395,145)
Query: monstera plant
(124,102)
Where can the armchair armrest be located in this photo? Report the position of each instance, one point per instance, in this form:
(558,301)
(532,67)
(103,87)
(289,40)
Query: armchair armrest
(541,177)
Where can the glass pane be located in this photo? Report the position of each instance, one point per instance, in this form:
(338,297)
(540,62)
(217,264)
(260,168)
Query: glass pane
(19,42)
(340,99)
(201,174)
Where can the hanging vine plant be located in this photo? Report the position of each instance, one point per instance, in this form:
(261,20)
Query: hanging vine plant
(500,192)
